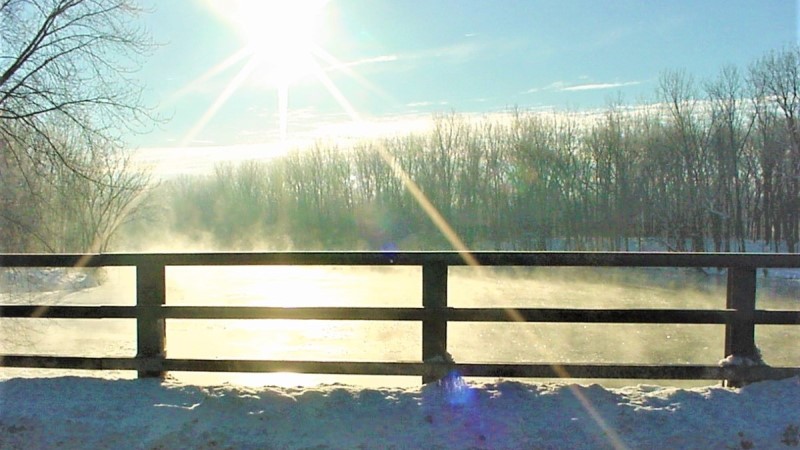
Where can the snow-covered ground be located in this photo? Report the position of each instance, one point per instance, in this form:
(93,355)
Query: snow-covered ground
(78,412)
(82,413)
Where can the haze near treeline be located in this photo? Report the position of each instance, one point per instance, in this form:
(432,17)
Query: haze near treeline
(711,166)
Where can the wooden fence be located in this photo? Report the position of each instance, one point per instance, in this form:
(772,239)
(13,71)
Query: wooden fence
(152,309)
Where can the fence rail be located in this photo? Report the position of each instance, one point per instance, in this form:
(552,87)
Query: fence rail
(151,311)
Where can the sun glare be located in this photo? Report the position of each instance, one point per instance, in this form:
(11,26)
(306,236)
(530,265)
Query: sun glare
(279,34)
(278,44)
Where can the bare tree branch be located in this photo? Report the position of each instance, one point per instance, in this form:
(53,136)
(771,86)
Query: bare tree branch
(67,95)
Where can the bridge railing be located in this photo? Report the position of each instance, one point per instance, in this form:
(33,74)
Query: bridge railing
(151,311)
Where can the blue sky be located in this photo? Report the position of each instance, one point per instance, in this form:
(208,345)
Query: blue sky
(410,58)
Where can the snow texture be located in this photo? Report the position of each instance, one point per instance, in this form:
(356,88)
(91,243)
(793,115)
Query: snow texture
(75,412)
(46,279)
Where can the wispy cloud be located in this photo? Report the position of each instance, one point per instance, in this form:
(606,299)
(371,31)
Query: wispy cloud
(199,157)
(596,86)
(564,86)
(363,61)
(555,86)
(468,49)
(455,53)
(427,103)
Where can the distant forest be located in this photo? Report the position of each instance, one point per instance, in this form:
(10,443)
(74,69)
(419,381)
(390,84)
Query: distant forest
(710,165)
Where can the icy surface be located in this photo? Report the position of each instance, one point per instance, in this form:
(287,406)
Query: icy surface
(72,413)
(46,279)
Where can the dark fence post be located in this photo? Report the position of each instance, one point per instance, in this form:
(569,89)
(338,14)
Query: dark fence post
(151,333)
(740,333)
(434,327)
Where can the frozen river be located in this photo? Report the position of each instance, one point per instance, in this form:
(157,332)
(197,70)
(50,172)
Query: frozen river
(399,341)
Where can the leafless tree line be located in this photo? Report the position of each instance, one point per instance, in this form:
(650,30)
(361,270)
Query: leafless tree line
(709,166)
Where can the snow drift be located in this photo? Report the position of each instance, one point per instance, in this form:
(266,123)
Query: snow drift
(73,412)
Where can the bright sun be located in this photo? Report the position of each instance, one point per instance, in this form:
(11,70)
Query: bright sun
(279,49)
(279,35)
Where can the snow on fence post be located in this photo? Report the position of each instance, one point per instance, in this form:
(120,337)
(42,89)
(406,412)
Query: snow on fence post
(740,333)
(434,326)
(151,333)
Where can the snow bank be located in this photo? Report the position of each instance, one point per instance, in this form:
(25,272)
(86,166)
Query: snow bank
(71,412)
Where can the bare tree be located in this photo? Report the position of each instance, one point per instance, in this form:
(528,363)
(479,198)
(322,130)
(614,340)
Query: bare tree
(731,127)
(687,138)
(67,97)
(93,209)
(775,80)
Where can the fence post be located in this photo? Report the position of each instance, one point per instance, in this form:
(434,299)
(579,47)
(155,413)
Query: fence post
(434,327)
(151,333)
(740,333)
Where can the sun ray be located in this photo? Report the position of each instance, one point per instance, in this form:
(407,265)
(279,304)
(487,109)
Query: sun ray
(226,93)
(206,76)
(336,64)
(278,38)
(337,95)
(283,112)
(433,213)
